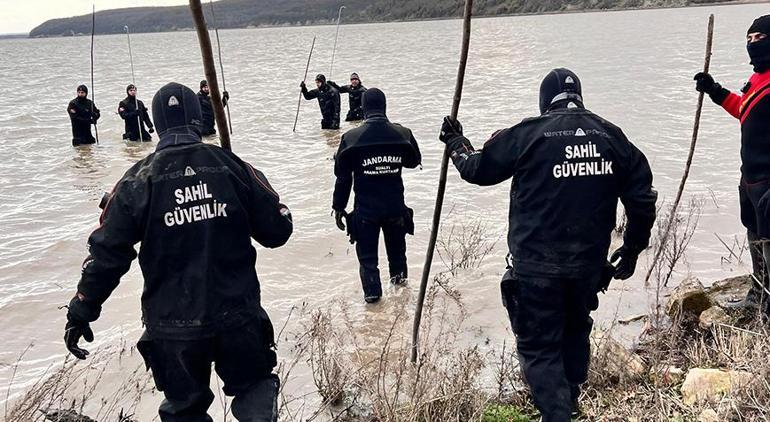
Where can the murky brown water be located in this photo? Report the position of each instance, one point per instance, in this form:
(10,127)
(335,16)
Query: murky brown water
(636,69)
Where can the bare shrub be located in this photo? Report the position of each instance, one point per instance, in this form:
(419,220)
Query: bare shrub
(465,244)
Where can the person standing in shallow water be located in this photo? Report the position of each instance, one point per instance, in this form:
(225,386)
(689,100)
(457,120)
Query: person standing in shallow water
(355,92)
(128,112)
(83,113)
(569,168)
(752,108)
(328,100)
(208,126)
(195,209)
(370,159)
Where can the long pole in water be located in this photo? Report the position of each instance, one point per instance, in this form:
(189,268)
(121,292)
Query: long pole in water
(93,98)
(299,100)
(211,72)
(133,81)
(696,127)
(221,66)
(334,50)
(442,181)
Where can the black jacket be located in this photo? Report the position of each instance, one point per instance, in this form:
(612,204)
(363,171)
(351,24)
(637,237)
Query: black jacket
(370,159)
(83,113)
(127,112)
(328,101)
(569,167)
(195,208)
(207,114)
(355,94)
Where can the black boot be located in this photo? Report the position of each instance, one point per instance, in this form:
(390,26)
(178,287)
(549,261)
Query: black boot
(575,405)
(759,276)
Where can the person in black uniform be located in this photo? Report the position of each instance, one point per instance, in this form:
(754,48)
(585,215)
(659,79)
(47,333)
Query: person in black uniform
(208,126)
(752,108)
(355,92)
(569,167)
(195,208)
(83,113)
(328,100)
(127,111)
(370,159)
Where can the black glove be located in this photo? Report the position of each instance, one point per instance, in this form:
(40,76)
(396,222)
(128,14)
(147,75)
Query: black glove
(338,216)
(151,130)
(624,269)
(225,95)
(73,331)
(705,83)
(450,129)
(302,85)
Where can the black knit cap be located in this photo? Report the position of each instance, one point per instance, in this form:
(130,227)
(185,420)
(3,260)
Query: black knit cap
(204,83)
(320,78)
(761,24)
(83,88)
(373,102)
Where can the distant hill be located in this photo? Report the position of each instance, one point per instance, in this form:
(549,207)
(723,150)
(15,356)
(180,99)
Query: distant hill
(253,13)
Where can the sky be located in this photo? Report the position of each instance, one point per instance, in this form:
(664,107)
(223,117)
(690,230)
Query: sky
(22,16)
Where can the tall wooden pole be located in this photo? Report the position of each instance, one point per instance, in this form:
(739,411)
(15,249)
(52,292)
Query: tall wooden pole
(696,127)
(442,181)
(221,65)
(304,78)
(210,72)
(93,89)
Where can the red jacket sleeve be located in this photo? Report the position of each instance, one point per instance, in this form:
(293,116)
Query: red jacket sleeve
(732,104)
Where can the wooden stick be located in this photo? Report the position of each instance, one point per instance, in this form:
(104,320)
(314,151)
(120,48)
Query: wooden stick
(93,90)
(133,81)
(334,50)
(211,72)
(221,66)
(299,100)
(696,127)
(442,181)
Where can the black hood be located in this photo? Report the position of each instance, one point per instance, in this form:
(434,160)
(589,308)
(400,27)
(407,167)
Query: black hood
(560,86)
(759,51)
(177,114)
(83,88)
(129,87)
(373,103)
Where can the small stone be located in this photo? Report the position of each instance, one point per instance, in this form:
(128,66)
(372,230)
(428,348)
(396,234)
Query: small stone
(667,374)
(708,415)
(714,316)
(614,357)
(689,299)
(710,385)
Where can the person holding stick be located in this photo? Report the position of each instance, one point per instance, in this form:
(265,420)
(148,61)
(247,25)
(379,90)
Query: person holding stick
(569,168)
(207,111)
(195,208)
(328,100)
(370,159)
(752,108)
(83,113)
(127,109)
(355,92)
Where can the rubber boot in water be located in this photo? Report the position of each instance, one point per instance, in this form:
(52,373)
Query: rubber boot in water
(398,279)
(574,390)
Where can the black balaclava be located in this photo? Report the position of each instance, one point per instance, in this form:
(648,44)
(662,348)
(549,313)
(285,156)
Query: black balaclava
(321,78)
(83,88)
(558,86)
(177,114)
(130,87)
(759,51)
(373,103)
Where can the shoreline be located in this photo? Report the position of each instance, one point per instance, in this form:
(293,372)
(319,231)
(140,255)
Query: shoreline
(445,18)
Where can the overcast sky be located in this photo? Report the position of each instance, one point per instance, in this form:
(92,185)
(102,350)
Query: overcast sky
(23,15)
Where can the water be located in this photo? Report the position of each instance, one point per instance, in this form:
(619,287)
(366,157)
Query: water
(636,68)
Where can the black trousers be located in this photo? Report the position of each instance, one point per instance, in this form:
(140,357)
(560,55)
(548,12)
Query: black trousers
(367,237)
(755,215)
(243,358)
(551,320)
(330,123)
